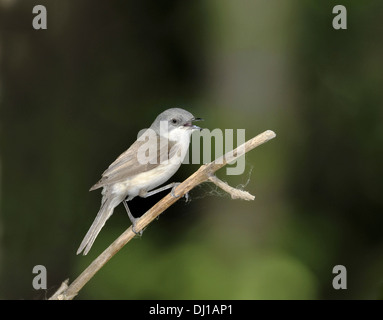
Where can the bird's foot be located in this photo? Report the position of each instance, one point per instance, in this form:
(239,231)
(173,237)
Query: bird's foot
(175,196)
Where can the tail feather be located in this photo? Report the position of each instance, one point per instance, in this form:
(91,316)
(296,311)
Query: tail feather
(106,210)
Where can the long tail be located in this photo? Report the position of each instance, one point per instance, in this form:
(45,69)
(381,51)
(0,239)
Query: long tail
(106,210)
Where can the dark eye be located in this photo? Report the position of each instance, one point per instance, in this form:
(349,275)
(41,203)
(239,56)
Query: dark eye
(174,121)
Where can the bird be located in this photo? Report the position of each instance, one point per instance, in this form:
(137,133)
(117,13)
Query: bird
(149,162)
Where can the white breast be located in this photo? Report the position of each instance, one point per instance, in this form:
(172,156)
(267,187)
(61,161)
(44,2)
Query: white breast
(151,179)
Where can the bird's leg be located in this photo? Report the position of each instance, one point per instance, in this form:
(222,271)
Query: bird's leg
(168,186)
(172,185)
(132,219)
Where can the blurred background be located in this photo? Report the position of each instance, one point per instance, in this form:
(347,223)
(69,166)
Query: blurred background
(74,96)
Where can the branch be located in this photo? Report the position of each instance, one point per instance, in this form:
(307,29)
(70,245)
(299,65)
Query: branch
(203,174)
(235,193)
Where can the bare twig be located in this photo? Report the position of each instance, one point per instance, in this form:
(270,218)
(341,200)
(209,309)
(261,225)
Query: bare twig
(203,174)
(58,294)
(235,193)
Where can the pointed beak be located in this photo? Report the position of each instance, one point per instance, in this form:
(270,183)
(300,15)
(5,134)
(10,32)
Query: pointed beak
(193,126)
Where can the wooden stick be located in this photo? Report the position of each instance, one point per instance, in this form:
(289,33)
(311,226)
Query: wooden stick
(203,174)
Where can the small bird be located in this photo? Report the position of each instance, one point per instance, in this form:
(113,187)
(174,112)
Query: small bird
(147,164)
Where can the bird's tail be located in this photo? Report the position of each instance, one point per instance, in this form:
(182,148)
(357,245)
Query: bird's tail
(106,210)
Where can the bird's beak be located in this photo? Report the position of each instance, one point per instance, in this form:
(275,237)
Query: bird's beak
(193,126)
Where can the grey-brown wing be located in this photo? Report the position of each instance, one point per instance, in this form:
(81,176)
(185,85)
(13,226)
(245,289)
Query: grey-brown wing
(127,164)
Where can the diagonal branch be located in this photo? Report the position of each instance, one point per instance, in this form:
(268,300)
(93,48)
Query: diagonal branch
(203,174)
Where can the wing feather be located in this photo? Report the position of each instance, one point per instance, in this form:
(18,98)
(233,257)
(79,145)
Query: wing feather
(127,164)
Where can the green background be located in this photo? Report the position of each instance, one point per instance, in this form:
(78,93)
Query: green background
(74,96)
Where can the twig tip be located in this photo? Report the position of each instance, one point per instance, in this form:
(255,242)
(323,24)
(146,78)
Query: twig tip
(270,133)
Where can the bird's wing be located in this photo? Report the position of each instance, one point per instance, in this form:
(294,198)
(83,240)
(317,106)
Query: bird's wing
(127,165)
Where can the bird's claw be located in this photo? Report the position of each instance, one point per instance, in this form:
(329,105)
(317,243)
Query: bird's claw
(137,233)
(186,195)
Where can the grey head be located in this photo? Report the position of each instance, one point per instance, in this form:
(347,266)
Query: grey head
(175,118)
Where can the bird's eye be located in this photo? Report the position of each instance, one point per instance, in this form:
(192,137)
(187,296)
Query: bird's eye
(174,121)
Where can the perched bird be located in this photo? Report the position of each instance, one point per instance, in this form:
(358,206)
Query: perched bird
(149,162)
